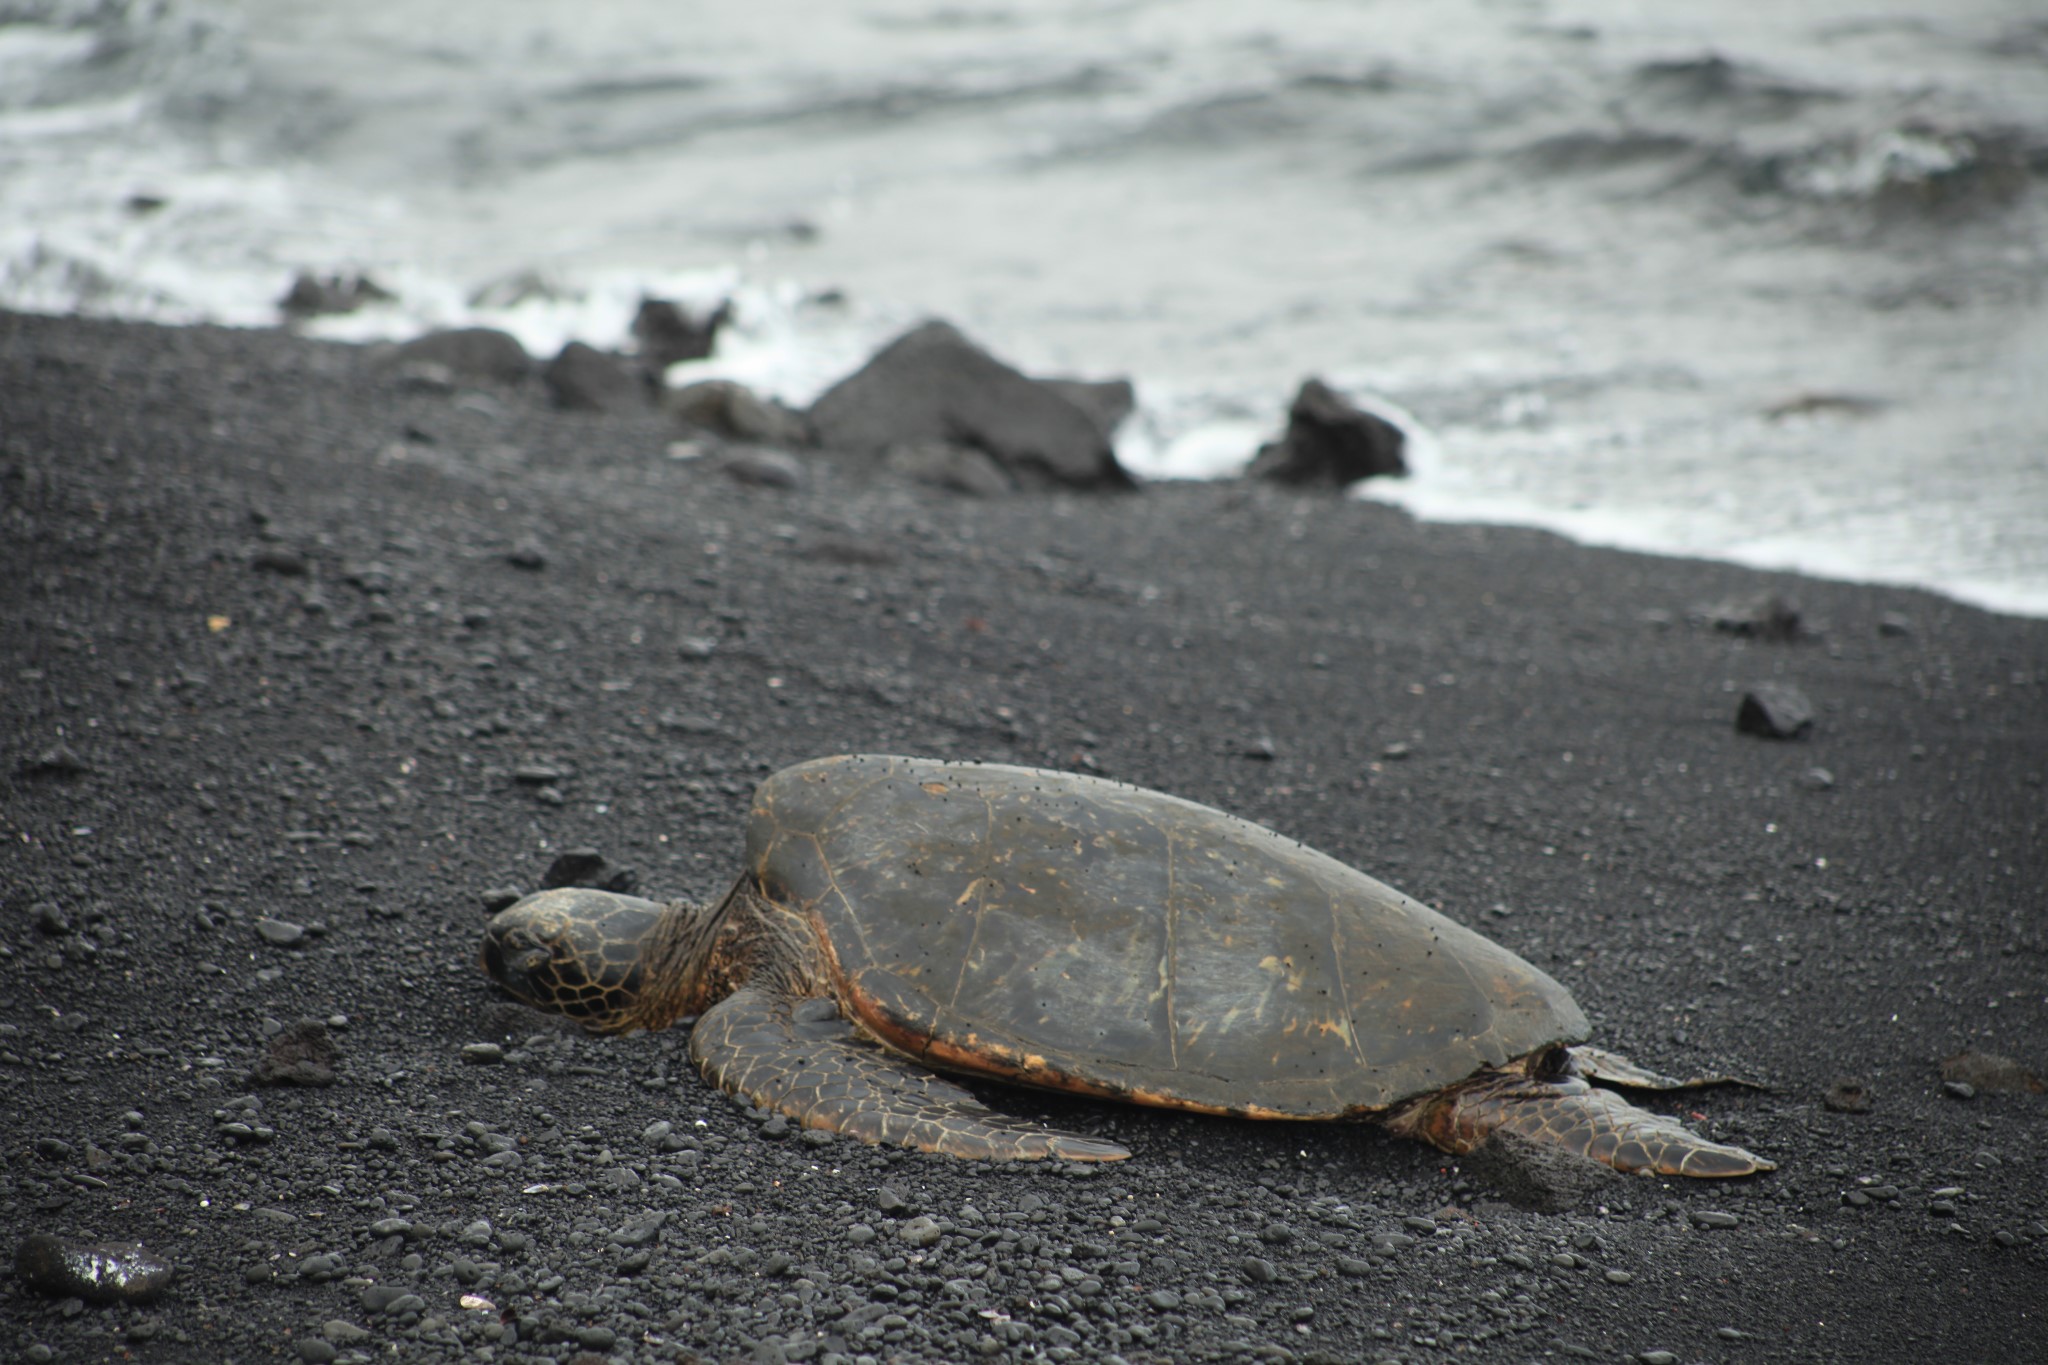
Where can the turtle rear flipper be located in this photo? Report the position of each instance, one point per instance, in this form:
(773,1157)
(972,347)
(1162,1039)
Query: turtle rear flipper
(801,1059)
(1571,1114)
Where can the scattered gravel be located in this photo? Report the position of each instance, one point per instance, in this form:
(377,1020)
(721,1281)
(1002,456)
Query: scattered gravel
(576,1194)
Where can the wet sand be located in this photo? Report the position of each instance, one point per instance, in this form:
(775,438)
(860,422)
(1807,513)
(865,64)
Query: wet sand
(302,663)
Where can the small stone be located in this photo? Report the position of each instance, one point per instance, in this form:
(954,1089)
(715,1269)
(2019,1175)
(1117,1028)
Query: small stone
(1894,624)
(49,918)
(1658,1358)
(1770,616)
(890,1202)
(572,866)
(860,1234)
(1817,780)
(1775,710)
(301,1054)
(343,1333)
(1714,1218)
(1353,1266)
(1848,1097)
(763,467)
(920,1231)
(1259,1270)
(528,554)
(97,1272)
(280,933)
(378,1298)
(426,376)
(391,1227)
(732,411)
(1990,1071)
(315,1351)
(483,1054)
(500,897)
(1619,1277)
(639,1234)
(1959,1090)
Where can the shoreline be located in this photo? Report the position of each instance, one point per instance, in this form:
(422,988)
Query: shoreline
(296,643)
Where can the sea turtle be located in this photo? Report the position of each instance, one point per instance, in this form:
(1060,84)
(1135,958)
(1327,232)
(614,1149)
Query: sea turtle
(1078,934)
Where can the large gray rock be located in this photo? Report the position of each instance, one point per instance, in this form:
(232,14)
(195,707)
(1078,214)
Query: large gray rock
(1330,442)
(736,412)
(1106,401)
(1775,710)
(666,334)
(933,385)
(470,353)
(584,379)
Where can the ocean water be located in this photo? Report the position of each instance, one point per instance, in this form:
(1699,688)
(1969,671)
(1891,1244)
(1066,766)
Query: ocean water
(1746,280)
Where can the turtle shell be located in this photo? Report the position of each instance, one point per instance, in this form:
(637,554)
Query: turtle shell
(1080,934)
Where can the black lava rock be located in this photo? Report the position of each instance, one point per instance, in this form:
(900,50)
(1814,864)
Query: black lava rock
(666,334)
(1770,616)
(1106,401)
(472,353)
(1775,711)
(1330,442)
(933,384)
(573,867)
(584,379)
(312,295)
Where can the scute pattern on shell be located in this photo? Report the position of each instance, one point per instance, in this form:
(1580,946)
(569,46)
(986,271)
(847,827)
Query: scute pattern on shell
(1076,933)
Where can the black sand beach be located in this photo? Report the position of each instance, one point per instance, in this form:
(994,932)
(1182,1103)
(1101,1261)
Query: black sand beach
(301,663)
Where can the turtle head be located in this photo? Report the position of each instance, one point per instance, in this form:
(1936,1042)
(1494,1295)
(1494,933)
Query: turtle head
(579,952)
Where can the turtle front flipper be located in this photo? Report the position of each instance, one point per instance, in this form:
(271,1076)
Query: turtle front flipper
(1566,1112)
(802,1059)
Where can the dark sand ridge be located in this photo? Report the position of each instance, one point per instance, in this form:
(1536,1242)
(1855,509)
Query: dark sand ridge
(266,658)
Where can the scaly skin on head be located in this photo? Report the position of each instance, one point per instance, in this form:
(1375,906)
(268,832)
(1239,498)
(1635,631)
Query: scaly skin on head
(616,963)
(613,963)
